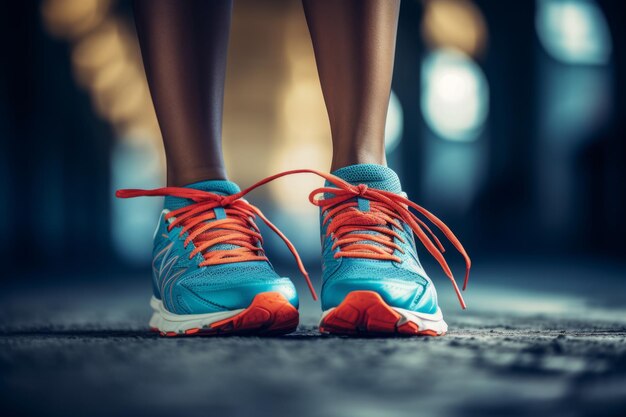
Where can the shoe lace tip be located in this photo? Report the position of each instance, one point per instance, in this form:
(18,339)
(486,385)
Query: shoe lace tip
(466,280)
(462,302)
(459,296)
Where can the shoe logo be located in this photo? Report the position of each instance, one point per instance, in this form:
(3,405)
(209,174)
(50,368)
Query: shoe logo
(165,262)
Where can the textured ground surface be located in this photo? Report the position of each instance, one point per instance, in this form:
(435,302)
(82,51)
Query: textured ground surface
(84,350)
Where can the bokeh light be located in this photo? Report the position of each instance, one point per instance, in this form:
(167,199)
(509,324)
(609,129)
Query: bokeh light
(72,18)
(134,164)
(107,63)
(455,95)
(573,31)
(394,125)
(456,24)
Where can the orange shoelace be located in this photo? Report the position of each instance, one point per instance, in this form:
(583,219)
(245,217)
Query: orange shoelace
(385,206)
(350,228)
(237,228)
(370,234)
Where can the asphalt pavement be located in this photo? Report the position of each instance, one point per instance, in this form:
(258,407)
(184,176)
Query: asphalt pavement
(83,348)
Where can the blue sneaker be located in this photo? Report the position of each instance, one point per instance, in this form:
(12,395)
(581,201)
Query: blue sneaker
(372,280)
(210,273)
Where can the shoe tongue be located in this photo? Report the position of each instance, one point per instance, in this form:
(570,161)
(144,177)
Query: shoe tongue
(372,175)
(222,187)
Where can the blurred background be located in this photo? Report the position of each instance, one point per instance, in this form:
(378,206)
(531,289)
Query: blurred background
(507,120)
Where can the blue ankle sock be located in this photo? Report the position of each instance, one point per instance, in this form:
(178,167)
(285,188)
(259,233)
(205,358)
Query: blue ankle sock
(374,176)
(223,187)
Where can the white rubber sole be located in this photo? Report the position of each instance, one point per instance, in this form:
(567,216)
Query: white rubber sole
(434,322)
(269,313)
(166,323)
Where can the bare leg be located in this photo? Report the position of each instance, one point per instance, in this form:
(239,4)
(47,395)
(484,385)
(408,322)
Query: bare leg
(184,45)
(354,43)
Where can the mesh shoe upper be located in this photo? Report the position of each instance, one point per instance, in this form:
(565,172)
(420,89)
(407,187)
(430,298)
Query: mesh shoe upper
(187,287)
(402,284)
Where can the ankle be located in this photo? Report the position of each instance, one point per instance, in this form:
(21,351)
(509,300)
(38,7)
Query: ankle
(190,175)
(341,160)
